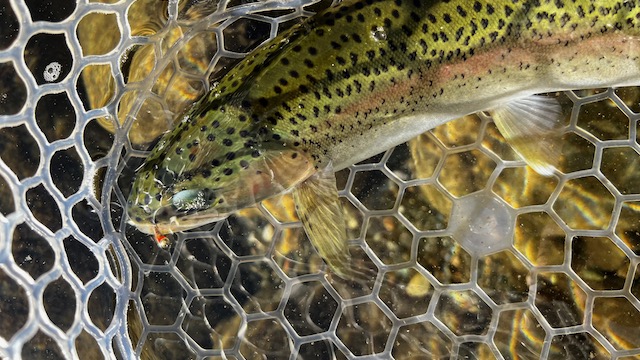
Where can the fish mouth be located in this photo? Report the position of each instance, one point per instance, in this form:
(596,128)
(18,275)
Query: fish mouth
(187,223)
(175,223)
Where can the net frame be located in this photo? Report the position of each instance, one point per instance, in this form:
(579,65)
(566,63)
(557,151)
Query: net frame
(126,274)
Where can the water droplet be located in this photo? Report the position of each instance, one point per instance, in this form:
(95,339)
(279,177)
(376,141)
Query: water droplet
(52,71)
(379,34)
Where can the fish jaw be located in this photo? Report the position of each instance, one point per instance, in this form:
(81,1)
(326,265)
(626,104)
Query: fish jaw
(175,224)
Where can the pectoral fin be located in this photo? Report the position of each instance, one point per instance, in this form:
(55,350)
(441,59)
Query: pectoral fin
(320,211)
(532,126)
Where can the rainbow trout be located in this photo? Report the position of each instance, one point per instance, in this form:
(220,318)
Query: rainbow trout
(361,77)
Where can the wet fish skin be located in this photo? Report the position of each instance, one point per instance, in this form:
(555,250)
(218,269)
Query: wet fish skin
(361,77)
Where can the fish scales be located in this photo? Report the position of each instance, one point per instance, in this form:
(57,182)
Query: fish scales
(363,76)
(332,76)
(429,53)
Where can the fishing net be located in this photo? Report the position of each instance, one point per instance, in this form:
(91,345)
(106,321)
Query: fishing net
(466,252)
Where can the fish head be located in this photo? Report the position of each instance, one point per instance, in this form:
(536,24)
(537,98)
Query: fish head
(211,165)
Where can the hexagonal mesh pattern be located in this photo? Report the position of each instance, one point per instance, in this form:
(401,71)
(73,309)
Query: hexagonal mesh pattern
(464,251)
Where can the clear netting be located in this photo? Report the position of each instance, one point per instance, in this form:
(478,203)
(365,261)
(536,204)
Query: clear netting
(467,253)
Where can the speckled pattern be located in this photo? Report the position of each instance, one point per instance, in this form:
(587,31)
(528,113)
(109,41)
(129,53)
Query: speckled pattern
(333,90)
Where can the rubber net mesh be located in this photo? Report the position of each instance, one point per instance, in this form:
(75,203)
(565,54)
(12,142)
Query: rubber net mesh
(468,253)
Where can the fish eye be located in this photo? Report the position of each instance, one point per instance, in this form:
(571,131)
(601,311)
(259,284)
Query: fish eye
(193,199)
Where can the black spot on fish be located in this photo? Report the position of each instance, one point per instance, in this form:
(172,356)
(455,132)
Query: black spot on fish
(371,54)
(461,11)
(508,10)
(354,58)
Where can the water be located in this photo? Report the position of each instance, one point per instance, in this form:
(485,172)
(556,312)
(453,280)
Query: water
(469,253)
